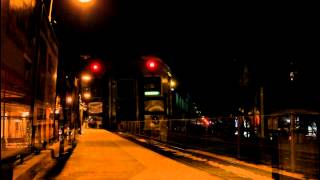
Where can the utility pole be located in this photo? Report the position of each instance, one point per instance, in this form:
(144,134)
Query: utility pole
(62,89)
(262,133)
(110,104)
(62,124)
(292,141)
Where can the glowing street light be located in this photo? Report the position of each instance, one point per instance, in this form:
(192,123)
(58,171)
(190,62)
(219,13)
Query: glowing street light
(172,85)
(69,100)
(86,77)
(87,95)
(85,1)
(51,3)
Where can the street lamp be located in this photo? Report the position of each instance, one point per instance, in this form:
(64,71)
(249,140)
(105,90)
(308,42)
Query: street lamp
(172,85)
(87,95)
(69,100)
(51,3)
(84,94)
(84,1)
(86,77)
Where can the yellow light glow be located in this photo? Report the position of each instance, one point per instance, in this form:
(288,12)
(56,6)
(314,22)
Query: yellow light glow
(22,4)
(83,4)
(86,77)
(172,83)
(164,81)
(25,114)
(69,99)
(87,95)
(54,76)
(84,1)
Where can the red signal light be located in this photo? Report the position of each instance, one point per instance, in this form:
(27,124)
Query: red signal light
(95,67)
(152,65)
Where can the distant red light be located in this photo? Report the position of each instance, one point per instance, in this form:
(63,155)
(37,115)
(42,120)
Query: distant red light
(152,65)
(95,67)
(205,121)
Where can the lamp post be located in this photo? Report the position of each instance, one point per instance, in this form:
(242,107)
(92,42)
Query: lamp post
(69,107)
(172,86)
(65,101)
(84,96)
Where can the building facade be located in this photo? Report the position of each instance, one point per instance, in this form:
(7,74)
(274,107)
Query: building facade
(29,60)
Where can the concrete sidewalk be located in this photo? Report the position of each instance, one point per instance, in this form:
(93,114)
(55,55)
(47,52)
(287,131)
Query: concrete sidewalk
(103,155)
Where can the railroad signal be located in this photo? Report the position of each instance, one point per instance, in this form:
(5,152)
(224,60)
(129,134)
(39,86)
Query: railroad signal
(95,67)
(152,65)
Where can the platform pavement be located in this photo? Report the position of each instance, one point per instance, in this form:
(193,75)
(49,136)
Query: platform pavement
(101,154)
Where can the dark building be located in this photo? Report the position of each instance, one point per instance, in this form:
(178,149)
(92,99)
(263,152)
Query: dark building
(29,60)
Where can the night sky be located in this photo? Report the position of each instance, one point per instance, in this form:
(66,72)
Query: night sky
(205,43)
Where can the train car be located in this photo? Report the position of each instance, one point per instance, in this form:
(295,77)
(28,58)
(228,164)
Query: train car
(156,91)
(148,100)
